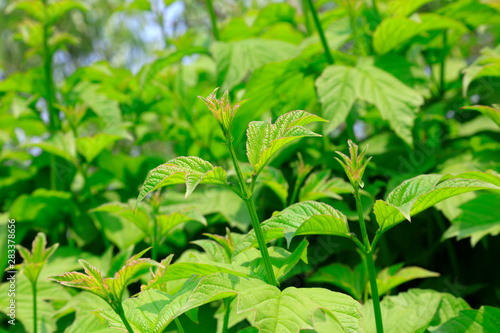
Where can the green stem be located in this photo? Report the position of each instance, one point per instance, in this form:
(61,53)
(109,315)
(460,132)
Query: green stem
(179,325)
(213,18)
(375,6)
(442,68)
(47,67)
(370,265)
(296,188)
(227,303)
(321,33)
(253,215)
(35,328)
(154,241)
(307,22)
(53,182)
(119,310)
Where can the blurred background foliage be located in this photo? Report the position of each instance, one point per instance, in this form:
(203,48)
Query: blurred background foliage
(95,93)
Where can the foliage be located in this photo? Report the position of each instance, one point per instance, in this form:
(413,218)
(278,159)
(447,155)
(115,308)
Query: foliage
(101,129)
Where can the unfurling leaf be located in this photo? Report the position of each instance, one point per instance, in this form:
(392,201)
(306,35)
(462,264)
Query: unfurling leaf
(37,258)
(190,170)
(109,289)
(265,138)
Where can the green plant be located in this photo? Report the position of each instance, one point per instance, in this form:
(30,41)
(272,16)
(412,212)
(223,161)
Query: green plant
(32,265)
(90,103)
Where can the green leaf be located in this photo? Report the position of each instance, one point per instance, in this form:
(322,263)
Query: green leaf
(109,289)
(319,185)
(340,86)
(408,312)
(90,147)
(235,60)
(289,310)
(343,277)
(59,144)
(34,261)
(48,294)
(303,218)
(424,191)
(449,307)
(394,32)
(396,102)
(391,277)
(337,93)
(273,179)
(265,139)
(476,220)
(85,321)
(486,319)
(190,170)
(491,112)
(487,65)
(405,8)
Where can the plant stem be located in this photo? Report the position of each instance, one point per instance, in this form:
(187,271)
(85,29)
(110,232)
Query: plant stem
(296,188)
(47,68)
(321,33)
(213,18)
(227,303)
(35,326)
(179,325)
(154,241)
(449,246)
(253,215)
(119,310)
(370,265)
(442,68)
(374,5)
(306,17)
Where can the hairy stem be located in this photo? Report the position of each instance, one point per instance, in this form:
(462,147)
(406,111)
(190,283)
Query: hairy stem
(119,310)
(370,265)
(35,321)
(248,198)
(179,325)
(213,18)
(321,32)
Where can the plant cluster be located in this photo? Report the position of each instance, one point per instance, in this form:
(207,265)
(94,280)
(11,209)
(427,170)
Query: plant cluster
(293,229)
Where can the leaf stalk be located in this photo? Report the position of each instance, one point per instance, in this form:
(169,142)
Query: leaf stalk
(213,19)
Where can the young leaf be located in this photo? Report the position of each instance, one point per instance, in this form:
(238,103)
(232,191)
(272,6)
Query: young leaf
(424,191)
(190,170)
(109,289)
(265,138)
(487,65)
(37,258)
(273,311)
(391,277)
(304,218)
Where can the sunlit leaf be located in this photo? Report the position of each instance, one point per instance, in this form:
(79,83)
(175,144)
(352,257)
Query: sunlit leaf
(190,170)
(265,139)
(422,192)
